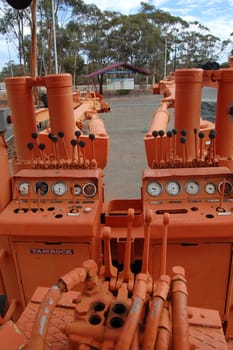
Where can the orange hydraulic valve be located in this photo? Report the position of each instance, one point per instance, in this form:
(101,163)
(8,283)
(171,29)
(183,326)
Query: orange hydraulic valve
(135,313)
(179,310)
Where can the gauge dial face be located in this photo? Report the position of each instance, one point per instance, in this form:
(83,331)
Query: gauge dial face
(89,189)
(59,188)
(42,187)
(226,187)
(154,189)
(192,187)
(210,188)
(24,188)
(76,189)
(173,188)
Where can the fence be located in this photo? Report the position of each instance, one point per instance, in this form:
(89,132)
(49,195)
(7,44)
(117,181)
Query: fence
(131,116)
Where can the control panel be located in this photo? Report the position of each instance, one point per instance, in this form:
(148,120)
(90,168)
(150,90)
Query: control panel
(60,188)
(179,185)
(47,198)
(200,198)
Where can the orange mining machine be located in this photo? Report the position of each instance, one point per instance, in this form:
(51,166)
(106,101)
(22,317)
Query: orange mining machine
(82,273)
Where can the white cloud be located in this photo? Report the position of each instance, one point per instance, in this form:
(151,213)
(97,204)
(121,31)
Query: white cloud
(122,6)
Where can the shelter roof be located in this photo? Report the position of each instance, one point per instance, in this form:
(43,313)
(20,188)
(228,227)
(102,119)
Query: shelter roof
(116,65)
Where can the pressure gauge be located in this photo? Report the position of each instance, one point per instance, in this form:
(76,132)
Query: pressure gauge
(226,187)
(210,188)
(154,189)
(76,189)
(42,187)
(89,189)
(59,188)
(173,188)
(192,187)
(24,188)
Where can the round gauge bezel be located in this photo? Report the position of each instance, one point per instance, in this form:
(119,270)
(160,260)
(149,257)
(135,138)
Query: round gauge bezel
(228,187)
(192,192)
(84,189)
(62,186)
(158,186)
(44,190)
(76,189)
(213,188)
(24,193)
(175,190)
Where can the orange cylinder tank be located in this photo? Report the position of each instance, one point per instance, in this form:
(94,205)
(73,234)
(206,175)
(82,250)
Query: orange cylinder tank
(224,123)
(188,106)
(61,115)
(20,98)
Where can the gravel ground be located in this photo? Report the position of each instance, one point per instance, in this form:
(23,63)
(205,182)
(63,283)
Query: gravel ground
(127,159)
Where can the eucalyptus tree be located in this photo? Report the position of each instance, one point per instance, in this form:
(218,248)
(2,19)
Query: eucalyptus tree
(12,25)
(164,41)
(198,45)
(125,37)
(69,48)
(46,44)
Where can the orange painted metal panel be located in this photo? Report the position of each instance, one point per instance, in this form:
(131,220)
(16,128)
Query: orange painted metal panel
(49,261)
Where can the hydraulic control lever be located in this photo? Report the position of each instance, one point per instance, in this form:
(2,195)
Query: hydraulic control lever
(110,271)
(126,275)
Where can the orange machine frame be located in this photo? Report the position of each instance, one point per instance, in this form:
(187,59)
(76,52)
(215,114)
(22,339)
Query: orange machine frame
(54,216)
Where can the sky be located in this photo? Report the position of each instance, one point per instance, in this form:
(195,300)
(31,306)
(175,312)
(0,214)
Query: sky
(217,15)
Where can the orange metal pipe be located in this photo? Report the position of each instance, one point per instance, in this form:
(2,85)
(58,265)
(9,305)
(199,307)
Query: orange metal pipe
(20,99)
(155,312)
(60,102)
(188,106)
(164,334)
(160,118)
(40,327)
(96,127)
(224,123)
(134,315)
(179,310)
